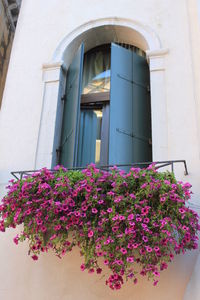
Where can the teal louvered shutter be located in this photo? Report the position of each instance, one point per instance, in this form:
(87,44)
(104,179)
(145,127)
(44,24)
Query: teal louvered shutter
(130,119)
(69,137)
(120,139)
(87,138)
(142,150)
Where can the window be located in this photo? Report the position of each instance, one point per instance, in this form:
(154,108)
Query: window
(107,115)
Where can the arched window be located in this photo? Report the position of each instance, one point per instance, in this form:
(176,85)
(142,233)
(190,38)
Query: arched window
(107,114)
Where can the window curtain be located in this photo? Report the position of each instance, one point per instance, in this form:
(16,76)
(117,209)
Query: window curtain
(87,138)
(96,72)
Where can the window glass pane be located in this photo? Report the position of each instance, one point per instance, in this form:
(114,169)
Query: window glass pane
(98,135)
(96,71)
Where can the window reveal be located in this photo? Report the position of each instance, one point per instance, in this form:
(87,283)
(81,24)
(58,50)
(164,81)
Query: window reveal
(107,117)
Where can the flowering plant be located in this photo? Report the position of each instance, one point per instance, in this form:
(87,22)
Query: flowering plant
(133,222)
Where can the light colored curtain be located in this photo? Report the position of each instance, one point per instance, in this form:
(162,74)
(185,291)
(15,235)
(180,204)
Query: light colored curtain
(87,138)
(96,72)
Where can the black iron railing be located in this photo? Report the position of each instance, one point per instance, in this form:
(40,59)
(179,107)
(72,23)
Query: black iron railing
(158,165)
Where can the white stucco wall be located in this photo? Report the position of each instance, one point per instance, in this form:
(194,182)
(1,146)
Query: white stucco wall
(42,27)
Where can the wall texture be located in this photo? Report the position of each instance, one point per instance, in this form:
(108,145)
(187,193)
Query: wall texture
(39,37)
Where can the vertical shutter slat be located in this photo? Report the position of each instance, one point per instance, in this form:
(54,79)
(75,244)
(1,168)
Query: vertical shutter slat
(69,137)
(130,112)
(120,144)
(141,110)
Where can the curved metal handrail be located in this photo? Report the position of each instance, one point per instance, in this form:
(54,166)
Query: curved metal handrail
(158,164)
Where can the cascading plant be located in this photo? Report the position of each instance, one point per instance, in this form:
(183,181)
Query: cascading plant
(132,223)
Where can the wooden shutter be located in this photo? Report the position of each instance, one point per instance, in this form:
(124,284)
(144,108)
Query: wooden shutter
(120,138)
(130,120)
(69,137)
(142,149)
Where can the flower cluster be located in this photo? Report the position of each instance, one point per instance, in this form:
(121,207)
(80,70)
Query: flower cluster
(132,223)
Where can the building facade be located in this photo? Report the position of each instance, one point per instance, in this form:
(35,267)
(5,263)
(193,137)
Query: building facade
(47,40)
(9,11)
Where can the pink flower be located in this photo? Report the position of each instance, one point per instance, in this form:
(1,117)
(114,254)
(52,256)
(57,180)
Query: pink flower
(100,202)
(53,237)
(156,273)
(115,228)
(109,210)
(145,210)
(16,239)
(162,199)
(156,248)
(57,227)
(149,249)
(155,282)
(99,270)
(163,266)
(111,193)
(123,251)
(43,229)
(90,234)
(82,267)
(119,262)
(106,262)
(34,257)
(132,223)
(143,185)
(130,259)
(130,217)
(84,207)
(146,220)
(142,251)
(94,211)
(145,239)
